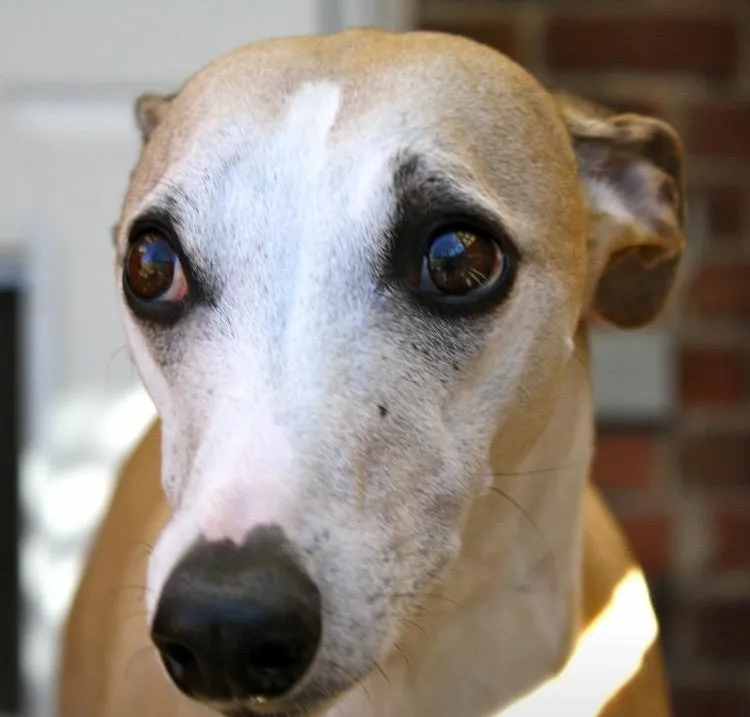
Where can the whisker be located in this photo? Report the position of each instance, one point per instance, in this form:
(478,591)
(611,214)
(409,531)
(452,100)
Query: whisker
(431,596)
(142,589)
(113,592)
(382,672)
(124,619)
(402,652)
(414,624)
(539,471)
(525,514)
(444,598)
(581,359)
(478,275)
(115,354)
(148,548)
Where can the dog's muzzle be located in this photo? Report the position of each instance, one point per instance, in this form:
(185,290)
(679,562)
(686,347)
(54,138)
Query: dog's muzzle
(238,622)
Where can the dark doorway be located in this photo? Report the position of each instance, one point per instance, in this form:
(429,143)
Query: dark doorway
(9,446)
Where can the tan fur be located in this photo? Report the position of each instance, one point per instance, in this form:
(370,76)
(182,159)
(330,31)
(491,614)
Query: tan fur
(609,235)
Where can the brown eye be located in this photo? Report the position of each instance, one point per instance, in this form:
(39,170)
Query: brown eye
(153,271)
(460,261)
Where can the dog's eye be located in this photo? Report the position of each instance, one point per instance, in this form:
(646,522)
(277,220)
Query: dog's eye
(153,271)
(459,261)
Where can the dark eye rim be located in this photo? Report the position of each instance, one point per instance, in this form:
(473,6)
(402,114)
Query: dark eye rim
(483,298)
(157,310)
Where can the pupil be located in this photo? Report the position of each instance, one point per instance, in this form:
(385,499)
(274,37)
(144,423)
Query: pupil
(156,253)
(460,261)
(151,267)
(447,248)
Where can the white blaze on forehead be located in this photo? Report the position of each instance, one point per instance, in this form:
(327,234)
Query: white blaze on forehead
(369,194)
(313,109)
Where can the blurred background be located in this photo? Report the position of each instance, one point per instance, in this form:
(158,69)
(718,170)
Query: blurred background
(673,402)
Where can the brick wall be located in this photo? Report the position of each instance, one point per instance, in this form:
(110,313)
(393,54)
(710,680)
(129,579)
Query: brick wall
(682,489)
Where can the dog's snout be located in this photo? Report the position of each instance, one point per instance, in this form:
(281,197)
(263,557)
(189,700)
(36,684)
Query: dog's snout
(235,622)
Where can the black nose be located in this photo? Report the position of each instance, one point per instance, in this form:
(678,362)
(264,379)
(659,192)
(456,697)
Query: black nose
(235,622)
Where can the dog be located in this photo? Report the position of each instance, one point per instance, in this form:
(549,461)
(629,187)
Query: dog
(356,275)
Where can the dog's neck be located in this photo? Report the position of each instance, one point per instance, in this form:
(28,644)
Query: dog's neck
(512,597)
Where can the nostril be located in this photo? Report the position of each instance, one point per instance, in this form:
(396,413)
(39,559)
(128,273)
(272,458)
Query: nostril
(272,657)
(180,662)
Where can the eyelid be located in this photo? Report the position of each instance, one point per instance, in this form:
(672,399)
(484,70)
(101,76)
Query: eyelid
(159,221)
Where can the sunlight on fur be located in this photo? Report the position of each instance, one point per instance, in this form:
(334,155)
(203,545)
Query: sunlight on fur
(608,655)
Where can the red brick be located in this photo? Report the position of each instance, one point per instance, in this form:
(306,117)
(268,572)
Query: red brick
(712,377)
(625,460)
(650,539)
(733,538)
(722,292)
(720,459)
(724,630)
(720,129)
(707,46)
(495,33)
(710,702)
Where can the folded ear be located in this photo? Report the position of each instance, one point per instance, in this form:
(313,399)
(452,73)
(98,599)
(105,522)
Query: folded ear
(630,169)
(149,112)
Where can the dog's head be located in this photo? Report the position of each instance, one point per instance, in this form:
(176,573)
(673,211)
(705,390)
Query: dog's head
(350,267)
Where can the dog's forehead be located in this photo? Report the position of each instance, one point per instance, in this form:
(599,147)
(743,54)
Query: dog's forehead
(443,93)
(345,105)
(432,75)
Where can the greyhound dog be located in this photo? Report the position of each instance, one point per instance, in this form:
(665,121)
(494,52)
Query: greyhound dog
(356,276)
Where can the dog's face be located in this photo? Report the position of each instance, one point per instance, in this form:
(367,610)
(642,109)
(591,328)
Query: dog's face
(352,269)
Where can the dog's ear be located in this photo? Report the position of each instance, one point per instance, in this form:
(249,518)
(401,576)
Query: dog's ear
(149,112)
(630,168)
